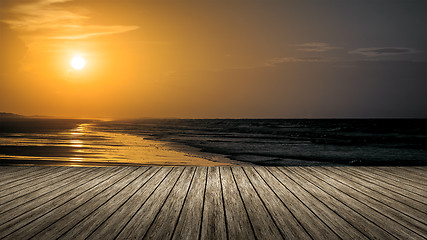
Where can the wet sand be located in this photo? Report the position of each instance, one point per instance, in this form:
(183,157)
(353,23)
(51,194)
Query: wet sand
(84,145)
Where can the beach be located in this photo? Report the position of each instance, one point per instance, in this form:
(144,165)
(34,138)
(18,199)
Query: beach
(213,142)
(78,143)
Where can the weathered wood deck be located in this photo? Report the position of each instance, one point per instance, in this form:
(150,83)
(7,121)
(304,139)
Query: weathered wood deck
(213,203)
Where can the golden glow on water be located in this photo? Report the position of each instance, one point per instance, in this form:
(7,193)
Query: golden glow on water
(81,128)
(90,147)
(76,143)
(137,150)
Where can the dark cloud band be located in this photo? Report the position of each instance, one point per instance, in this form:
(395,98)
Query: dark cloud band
(383,51)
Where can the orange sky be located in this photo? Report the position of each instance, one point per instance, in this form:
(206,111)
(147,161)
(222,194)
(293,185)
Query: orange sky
(254,59)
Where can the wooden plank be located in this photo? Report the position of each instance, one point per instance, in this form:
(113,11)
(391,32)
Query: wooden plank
(189,222)
(8,173)
(419,171)
(24,172)
(397,195)
(42,195)
(141,221)
(377,202)
(404,205)
(87,225)
(70,202)
(398,188)
(288,225)
(367,227)
(410,172)
(220,203)
(18,191)
(10,169)
(261,219)
(39,218)
(346,194)
(22,176)
(213,218)
(164,224)
(398,179)
(400,175)
(29,181)
(424,168)
(337,224)
(67,222)
(420,174)
(238,224)
(311,223)
(111,227)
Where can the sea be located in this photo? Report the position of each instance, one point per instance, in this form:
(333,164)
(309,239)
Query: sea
(214,142)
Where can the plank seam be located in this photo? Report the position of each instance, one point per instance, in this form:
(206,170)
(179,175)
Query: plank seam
(367,178)
(27,193)
(223,204)
(203,205)
(415,171)
(30,177)
(244,205)
(319,187)
(124,226)
(29,180)
(390,175)
(11,171)
(66,184)
(158,212)
(105,200)
(381,204)
(124,201)
(52,208)
(183,203)
(263,203)
(302,226)
(390,181)
(337,213)
(376,198)
(417,179)
(372,209)
(10,178)
(120,170)
(305,204)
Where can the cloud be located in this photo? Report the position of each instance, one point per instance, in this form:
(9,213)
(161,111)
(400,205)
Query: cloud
(315,47)
(96,30)
(47,18)
(382,51)
(274,61)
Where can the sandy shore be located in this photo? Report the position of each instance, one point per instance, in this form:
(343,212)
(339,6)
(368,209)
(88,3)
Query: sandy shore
(86,146)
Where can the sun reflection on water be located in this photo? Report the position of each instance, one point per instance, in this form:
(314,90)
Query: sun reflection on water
(87,144)
(76,143)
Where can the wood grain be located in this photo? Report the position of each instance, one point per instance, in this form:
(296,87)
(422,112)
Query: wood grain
(213,203)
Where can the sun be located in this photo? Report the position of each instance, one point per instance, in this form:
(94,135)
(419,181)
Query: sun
(78,62)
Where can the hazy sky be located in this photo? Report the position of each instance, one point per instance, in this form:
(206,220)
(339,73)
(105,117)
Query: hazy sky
(214,59)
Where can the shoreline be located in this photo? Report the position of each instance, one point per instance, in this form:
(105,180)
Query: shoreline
(213,143)
(88,146)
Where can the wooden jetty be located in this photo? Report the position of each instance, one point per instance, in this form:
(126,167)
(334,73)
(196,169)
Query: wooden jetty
(213,202)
